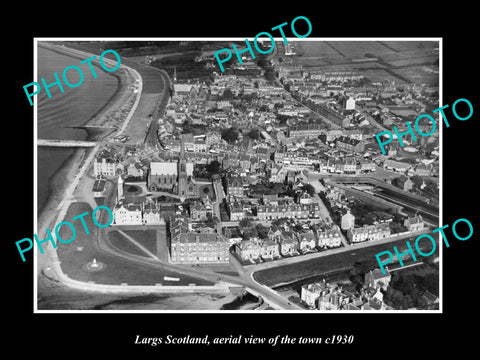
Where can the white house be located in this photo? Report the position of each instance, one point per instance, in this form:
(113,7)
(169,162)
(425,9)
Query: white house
(348,221)
(414,223)
(329,238)
(350,104)
(127,214)
(104,166)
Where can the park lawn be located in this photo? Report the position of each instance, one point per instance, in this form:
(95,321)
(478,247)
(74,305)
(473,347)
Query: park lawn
(122,243)
(117,271)
(146,238)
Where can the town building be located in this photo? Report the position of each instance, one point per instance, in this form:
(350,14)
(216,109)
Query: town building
(236,211)
(127,214)
(377,279)
(198,211)
(310,294)
(135,170)
(403,182)
(290,211)
(248,250)
(350,104)
(104,166)
(348,221)
(235,187)
(368,233)
(287,242)
(270,250)
(348,144)
(151,214)
(99,188)
(305,130)
(174,177)
(232,234)
(307,241)
(196,247)
(396,165)
(329,238)
(414,223)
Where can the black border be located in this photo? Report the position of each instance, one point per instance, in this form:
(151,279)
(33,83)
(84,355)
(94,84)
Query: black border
(375,334)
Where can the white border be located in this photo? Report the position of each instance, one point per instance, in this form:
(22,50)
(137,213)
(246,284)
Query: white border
(311,312)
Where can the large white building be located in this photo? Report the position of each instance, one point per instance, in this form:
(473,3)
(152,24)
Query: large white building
(329,238)
(127,214)
(348,221)
(104,166)
(137,214)
(414,223)
(350,104)
(368,233)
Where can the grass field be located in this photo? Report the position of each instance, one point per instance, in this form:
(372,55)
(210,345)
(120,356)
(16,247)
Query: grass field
(117,271)
(352,49)
(316,49)
(404,61)
(147,238)
(122,243)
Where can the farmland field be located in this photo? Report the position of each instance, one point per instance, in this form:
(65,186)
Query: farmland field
(399,61)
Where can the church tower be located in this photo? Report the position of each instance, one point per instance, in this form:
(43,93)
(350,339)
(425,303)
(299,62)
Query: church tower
(182,173)
(120,188)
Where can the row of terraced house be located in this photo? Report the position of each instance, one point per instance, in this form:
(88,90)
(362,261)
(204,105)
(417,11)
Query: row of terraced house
(286,243)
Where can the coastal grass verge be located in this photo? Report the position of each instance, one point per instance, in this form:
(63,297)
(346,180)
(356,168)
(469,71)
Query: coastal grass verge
(73,256)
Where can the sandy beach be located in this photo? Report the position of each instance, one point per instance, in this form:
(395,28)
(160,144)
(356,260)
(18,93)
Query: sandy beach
(114,109)
(56,296)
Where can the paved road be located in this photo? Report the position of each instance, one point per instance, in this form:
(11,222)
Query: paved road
(219,196)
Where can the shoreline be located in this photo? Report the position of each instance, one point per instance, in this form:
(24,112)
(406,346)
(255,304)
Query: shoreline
(60,181)
(124,82)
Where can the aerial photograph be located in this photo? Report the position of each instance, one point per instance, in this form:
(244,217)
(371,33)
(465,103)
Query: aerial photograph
(174,178)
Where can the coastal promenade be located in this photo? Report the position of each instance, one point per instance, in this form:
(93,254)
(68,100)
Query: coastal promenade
(65,143)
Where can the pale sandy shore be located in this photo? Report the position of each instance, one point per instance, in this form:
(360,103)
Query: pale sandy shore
(112,110)
(56,296)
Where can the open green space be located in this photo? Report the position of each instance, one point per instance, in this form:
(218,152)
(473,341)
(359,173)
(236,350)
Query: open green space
(122,243)
(146,238)
(74,255)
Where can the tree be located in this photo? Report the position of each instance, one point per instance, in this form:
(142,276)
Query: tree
(309,189)
(230,135)
(262,231)
(227,94)
(250,233)
(245,223)
(213,167)
(422,303)
(254,134)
